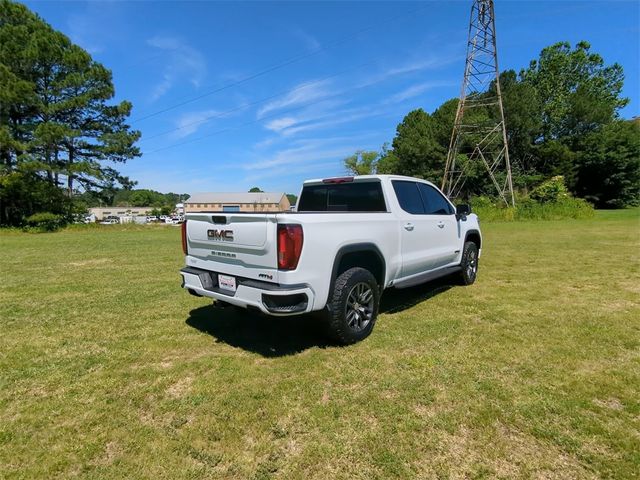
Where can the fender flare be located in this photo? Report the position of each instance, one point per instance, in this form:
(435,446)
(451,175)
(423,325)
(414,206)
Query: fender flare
(356,248)
(473,231)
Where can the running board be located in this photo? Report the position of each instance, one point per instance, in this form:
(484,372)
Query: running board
(426,277)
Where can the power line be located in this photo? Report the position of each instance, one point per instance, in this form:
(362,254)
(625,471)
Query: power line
(277,66)
(235,127)
(257,102)
(253,122)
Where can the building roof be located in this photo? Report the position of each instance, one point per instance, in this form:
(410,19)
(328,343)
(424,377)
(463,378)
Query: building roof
(235,197)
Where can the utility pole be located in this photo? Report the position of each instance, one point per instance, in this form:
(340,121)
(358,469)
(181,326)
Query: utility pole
(478,138)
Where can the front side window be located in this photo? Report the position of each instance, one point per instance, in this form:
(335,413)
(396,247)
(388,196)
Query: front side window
(434,202)
(408,196)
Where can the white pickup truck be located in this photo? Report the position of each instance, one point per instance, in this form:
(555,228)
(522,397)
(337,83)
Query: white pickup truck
(348,240)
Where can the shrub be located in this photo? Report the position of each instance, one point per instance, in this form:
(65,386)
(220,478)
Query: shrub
(529,209)
(567,207)
(552,190)
(45,222)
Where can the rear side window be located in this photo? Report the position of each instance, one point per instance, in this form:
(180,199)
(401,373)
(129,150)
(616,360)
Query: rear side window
(343,197)
(408,196)
(434,202)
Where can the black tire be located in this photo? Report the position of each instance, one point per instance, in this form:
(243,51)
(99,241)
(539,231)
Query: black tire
(353,306)
(469,263)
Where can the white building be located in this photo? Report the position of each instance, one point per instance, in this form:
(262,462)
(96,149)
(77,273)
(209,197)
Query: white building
(101,213)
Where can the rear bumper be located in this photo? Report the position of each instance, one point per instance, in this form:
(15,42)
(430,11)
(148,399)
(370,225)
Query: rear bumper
(269,298)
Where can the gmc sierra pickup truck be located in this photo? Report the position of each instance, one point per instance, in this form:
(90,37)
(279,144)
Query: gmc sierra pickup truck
(347,240)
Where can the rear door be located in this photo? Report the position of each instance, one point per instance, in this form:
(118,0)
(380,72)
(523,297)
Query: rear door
(236,243)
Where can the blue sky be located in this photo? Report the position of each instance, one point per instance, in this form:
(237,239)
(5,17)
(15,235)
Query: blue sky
(344,76)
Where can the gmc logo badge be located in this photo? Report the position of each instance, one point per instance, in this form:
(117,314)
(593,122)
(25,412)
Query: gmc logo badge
(223,235)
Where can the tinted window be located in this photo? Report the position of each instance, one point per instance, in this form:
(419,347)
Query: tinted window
(434,202)
(342,197)
(408,197)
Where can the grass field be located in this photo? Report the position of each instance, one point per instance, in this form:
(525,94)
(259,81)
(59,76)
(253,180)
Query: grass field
(109,370)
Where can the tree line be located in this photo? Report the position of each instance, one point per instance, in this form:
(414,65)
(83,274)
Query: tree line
(562,119)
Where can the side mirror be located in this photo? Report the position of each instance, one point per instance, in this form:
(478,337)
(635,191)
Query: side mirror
(462,211)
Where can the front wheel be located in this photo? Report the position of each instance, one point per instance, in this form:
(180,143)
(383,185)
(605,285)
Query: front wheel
(469,263)
(353,306)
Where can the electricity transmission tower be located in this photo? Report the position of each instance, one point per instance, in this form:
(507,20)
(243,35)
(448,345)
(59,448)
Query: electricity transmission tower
(480,137)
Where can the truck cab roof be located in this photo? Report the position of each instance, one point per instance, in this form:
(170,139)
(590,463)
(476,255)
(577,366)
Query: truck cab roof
(359,178)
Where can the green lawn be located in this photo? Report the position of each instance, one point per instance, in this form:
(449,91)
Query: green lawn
(109,370)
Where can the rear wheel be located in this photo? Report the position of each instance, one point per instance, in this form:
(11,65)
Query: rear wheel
(353,306)
(469,263)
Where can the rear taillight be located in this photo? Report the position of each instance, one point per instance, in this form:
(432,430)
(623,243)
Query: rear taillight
(183,227)
(290,240)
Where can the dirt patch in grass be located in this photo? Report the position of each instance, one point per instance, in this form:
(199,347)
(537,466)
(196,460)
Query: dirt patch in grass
(507,453)
(90,262)
(180,388)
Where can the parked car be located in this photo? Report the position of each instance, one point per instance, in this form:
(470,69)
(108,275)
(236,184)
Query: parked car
(349,239)
(174,220)
(110,221)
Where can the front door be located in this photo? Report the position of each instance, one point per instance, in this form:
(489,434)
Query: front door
(442,227)
(415,229)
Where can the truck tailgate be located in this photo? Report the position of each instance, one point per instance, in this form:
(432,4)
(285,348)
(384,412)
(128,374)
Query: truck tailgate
(241,244)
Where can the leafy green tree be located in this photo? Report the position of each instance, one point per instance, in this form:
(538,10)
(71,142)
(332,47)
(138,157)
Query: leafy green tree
(255,190)
(608,165)
(143,198)
(443,118)
(522,113)
(577,90)
(362,162)
(416,151)
(388,162)
(24,193)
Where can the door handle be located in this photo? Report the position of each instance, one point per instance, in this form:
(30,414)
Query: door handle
(440,224)
(408,226)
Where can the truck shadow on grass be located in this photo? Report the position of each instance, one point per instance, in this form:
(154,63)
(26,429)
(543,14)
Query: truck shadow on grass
(280,336)
(253,332)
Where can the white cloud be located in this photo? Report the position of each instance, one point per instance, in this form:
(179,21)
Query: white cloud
(189,123)
(335,118)
(184,61)
(299,95)
(331,117)
(266,143)
(312,150)
(325,168)
(412,66)
(415,90)
(280,124)
(415,66)
(311,41)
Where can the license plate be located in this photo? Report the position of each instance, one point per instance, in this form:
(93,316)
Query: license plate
(227,282)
